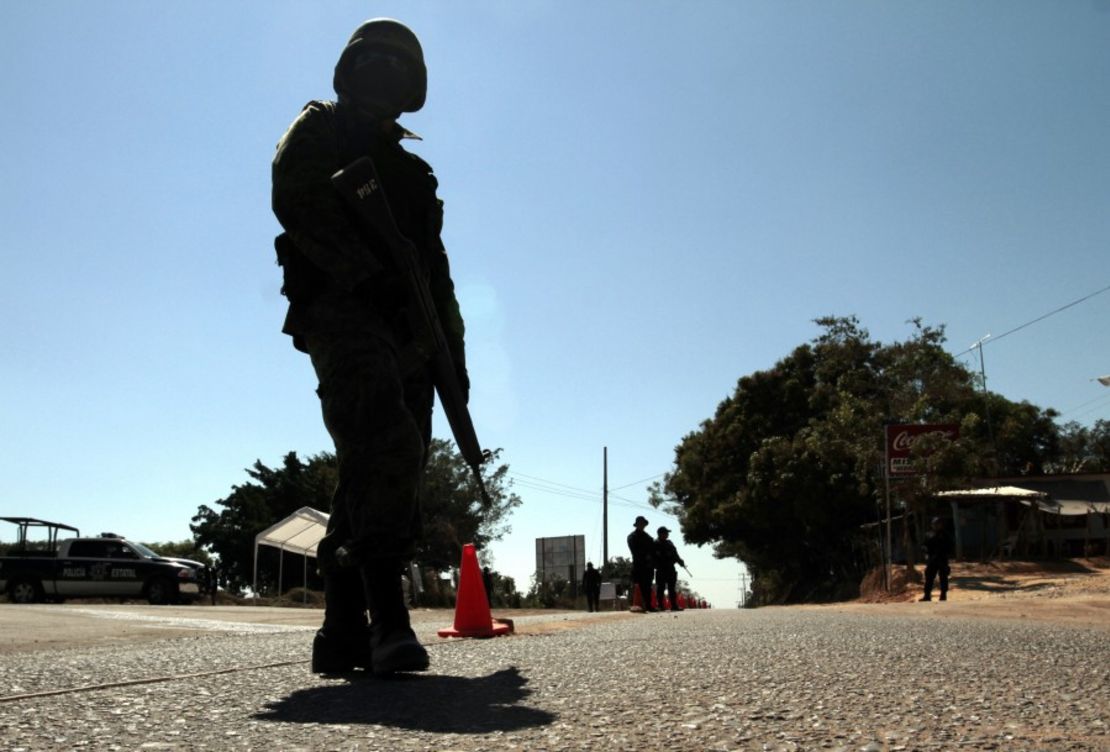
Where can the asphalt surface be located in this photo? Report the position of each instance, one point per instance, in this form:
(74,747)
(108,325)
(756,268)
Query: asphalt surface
(771,679)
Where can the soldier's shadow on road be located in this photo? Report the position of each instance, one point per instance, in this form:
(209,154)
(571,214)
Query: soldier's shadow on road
(424,702)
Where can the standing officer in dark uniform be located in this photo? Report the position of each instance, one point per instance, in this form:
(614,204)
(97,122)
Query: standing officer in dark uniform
(938,548)
(591,583)
(213,581)
(487,583)
(347,306)
(666,576)
(642,547)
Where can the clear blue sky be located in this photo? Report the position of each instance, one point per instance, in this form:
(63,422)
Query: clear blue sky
(645,201)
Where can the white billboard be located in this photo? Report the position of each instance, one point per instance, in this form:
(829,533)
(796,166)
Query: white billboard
(562,558)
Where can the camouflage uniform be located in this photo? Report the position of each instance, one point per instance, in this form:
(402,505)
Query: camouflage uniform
(666,576)
(347,312)
(642,547)
(938,548)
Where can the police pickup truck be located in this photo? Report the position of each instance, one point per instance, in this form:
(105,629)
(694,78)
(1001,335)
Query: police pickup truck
(107,566)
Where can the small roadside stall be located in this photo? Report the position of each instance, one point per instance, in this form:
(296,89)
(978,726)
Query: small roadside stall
(1047,516)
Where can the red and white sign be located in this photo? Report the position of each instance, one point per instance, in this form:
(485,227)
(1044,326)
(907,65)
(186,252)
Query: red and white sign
(901,438)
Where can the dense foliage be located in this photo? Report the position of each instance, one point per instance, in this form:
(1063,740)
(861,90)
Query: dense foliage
(789,468)
(453,510)
(1083,449)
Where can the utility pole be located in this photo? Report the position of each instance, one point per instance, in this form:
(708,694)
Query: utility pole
(986,396)
(888,553)
(604,507)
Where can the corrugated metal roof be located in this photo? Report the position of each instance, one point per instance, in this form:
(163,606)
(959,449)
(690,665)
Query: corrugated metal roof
(1067,498)
(994,492)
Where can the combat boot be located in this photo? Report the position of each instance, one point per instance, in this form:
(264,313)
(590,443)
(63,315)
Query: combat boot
(342,644)
(393,644)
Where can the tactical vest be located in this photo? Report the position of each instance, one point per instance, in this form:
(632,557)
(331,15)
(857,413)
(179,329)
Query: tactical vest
(411,188)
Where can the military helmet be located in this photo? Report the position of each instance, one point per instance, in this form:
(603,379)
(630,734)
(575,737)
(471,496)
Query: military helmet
(382,67)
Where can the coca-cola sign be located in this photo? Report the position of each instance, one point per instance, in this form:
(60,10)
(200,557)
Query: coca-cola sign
(900,439)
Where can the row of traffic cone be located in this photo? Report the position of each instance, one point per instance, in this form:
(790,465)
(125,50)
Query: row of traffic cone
(472,614)
(683,601)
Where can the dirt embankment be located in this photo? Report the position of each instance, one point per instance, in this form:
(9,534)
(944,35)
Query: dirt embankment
(1070,591)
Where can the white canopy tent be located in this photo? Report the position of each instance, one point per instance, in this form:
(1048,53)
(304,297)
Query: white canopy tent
(300,533)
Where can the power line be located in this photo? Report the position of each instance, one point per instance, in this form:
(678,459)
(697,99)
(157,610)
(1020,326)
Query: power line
(564,489)
(557,489)
(631,502)
(1088,402)
(554,483)
(1034,321)
(638,482)
(1090,410)
(557,492)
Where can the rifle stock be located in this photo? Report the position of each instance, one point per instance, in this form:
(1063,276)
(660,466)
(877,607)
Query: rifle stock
(359,185)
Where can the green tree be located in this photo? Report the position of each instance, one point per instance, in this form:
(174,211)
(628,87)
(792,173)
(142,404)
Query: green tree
(505,594)
(452,507)
(1082,449)
(271,495)
(619,572)
(556,592)
(790,466)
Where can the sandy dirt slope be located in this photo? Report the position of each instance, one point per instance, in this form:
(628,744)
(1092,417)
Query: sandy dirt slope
(1074,591)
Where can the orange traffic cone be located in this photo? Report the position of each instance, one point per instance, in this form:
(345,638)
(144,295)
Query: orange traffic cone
(637,601)
(472,617)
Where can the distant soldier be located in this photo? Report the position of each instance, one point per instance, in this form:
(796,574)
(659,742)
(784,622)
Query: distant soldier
(591,583)
(487,583)
(938,548)
(213,582)
(642,547)
(347,311)
(666,576)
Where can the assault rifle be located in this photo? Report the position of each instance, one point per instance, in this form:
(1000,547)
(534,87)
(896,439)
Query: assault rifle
(359,185)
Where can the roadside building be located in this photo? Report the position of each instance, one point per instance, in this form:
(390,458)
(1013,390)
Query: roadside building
(1049,516)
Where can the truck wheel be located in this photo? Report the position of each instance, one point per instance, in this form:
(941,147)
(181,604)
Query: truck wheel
(25,590)
(160,592)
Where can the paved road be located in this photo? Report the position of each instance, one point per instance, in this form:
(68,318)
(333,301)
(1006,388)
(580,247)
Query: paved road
(774,679)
